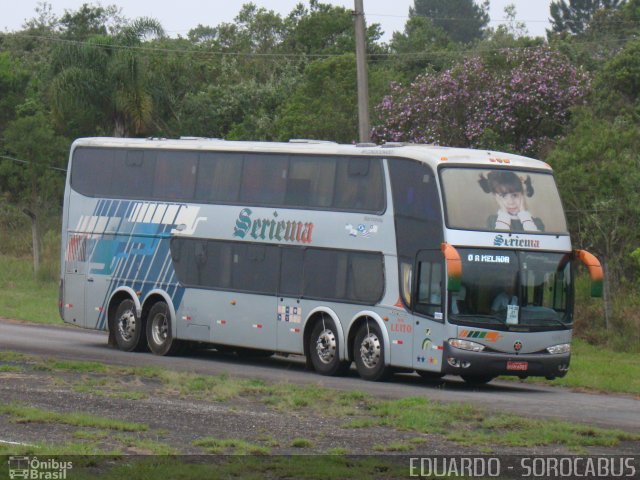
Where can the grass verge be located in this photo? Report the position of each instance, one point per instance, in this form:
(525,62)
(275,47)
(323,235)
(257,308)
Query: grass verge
(25,297)
(461,423)
(23,414)
(468,425)
(601,369)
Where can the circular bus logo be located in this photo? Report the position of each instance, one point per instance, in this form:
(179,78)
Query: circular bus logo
(517,346)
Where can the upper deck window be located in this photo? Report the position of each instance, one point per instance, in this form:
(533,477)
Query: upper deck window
(507,200)
(259,179)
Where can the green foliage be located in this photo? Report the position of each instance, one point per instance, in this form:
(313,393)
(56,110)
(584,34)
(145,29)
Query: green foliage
(327,91)
(462,20)
(23,414)
(573,16)
(90,20)
(32,140)
(13,81)
(25,297)
(468,425)
(597,165)
(104,82)
(421,46)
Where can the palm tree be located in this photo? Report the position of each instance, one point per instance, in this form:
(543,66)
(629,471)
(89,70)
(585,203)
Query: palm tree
(102,83)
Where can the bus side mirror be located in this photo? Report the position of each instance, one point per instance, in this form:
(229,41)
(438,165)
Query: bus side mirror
(595,271)
(454,267)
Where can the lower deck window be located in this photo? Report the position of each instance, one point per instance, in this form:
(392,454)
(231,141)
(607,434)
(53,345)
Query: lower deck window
(327,274)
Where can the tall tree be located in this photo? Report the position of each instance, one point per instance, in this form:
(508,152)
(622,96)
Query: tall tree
(573,16)
(91,20)
(517,103)
(103,82)
(420,46)
(28,182)
(463,20)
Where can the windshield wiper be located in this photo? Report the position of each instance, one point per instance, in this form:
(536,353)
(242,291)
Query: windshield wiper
(498,319)
(541,322)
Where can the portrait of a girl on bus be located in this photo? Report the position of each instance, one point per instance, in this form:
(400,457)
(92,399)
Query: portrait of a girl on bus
(510,192)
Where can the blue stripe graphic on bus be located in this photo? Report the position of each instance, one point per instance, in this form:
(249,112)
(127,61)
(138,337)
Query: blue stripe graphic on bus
(129,241)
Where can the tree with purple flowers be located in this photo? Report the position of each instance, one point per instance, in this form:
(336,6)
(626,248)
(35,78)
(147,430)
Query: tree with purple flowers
(517,101)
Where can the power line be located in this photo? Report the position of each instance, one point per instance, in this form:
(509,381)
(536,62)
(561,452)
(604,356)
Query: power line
(297,55)
(17,160)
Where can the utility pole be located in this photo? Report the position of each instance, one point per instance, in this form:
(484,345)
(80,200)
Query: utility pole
(361,69)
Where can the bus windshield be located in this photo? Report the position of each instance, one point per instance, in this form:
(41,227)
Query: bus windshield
(502,199)
(501,287)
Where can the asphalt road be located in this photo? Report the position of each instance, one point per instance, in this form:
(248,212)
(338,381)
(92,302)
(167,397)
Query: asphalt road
(71,343)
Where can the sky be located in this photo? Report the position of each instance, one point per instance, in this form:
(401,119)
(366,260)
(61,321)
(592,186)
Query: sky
(178,17)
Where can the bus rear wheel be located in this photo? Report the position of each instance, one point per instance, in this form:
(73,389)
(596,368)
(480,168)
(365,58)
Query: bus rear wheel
(128,329)
(368,349)
(159,337)
(324,349)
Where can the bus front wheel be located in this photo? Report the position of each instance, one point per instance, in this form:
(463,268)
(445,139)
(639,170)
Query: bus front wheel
(128,329)
(324,349)
(368,350)
(159,337)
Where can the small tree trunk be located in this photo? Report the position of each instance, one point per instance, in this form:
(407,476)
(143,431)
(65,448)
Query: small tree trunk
(34,240)
(606,295)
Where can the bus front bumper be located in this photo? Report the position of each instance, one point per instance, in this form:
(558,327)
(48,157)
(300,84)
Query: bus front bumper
(463,362)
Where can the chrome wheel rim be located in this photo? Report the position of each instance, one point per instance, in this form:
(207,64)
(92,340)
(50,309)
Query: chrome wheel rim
(127,325)
(159,328)
(370,349)
(326,346)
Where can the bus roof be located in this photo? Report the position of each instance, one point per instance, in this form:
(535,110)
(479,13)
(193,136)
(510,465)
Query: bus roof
(433,155)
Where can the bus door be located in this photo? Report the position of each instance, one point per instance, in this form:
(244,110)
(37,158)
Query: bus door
(428,305)
(75,279)
(290,305)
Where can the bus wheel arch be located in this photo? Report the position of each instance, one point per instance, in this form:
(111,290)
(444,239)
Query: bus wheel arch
(124,322)
(323,326)
(160,324)
(369,347)
(357,322)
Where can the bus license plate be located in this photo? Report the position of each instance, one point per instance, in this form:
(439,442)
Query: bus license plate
(520,366)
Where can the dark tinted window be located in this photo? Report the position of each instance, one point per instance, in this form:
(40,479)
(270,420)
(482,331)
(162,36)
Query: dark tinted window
(310,181)
(429,288)
(416,204)
(339,275)
(133,173)
(92,171)
(219,177)
(255,268)
(291,268)
(303,181)
(359,185)
(264,179)
(175,176)
(268,269)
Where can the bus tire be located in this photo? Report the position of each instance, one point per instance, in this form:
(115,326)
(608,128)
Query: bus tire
(477,380)
(128,328)
(324,349)
(159,337)
(368,350)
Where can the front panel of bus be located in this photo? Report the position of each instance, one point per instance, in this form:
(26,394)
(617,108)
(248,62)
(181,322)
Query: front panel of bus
(510,309)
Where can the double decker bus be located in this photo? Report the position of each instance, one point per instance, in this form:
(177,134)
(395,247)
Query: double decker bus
(392,257)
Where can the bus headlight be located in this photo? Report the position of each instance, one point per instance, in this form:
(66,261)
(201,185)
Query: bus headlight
(562,348)
(466,345)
